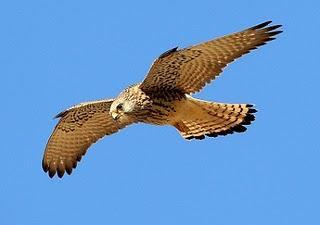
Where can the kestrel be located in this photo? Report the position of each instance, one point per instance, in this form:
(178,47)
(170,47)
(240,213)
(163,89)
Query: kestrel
(162,98)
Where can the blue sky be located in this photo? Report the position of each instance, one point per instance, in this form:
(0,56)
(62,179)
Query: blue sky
(55,54)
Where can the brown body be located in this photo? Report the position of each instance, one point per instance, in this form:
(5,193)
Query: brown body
(193,118)
(163,98)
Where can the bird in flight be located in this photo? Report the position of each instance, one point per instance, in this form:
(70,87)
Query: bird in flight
(162,98)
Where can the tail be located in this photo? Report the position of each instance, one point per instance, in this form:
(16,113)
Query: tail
(197,119)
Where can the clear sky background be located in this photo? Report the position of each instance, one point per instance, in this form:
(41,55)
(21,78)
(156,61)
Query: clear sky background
(54,54)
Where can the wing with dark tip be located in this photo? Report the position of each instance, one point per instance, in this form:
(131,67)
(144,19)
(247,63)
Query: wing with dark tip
(189,70)
(78,128)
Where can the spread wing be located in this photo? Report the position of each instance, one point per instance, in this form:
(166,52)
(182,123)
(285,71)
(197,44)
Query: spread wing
(189,70)
(78,128)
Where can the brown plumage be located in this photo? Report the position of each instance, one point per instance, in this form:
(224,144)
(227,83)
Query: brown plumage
(163,98)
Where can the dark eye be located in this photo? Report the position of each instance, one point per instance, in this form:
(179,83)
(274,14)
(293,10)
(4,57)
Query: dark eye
(120,107)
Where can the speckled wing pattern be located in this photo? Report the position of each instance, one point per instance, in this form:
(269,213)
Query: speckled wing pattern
(78,128)
(189,70)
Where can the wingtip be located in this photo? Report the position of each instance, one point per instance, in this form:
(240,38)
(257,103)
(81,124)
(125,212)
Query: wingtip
(60,173)
(44,166)
(277,26)
(60,114)
(265,26)
(261,25)
(51,173)
(168,52)
(266,23)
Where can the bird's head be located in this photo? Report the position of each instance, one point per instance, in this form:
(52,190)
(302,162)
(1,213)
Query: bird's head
(121,107)
(132,100)
(124,104)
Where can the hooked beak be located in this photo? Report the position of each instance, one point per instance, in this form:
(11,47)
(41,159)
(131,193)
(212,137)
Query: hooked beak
(115,115)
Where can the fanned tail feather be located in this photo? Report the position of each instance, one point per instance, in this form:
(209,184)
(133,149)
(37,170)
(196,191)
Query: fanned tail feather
(200,118)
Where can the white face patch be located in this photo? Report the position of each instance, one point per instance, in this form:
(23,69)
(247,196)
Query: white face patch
(128,106)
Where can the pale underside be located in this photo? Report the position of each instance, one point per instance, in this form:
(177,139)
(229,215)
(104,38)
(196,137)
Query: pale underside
(173,76)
